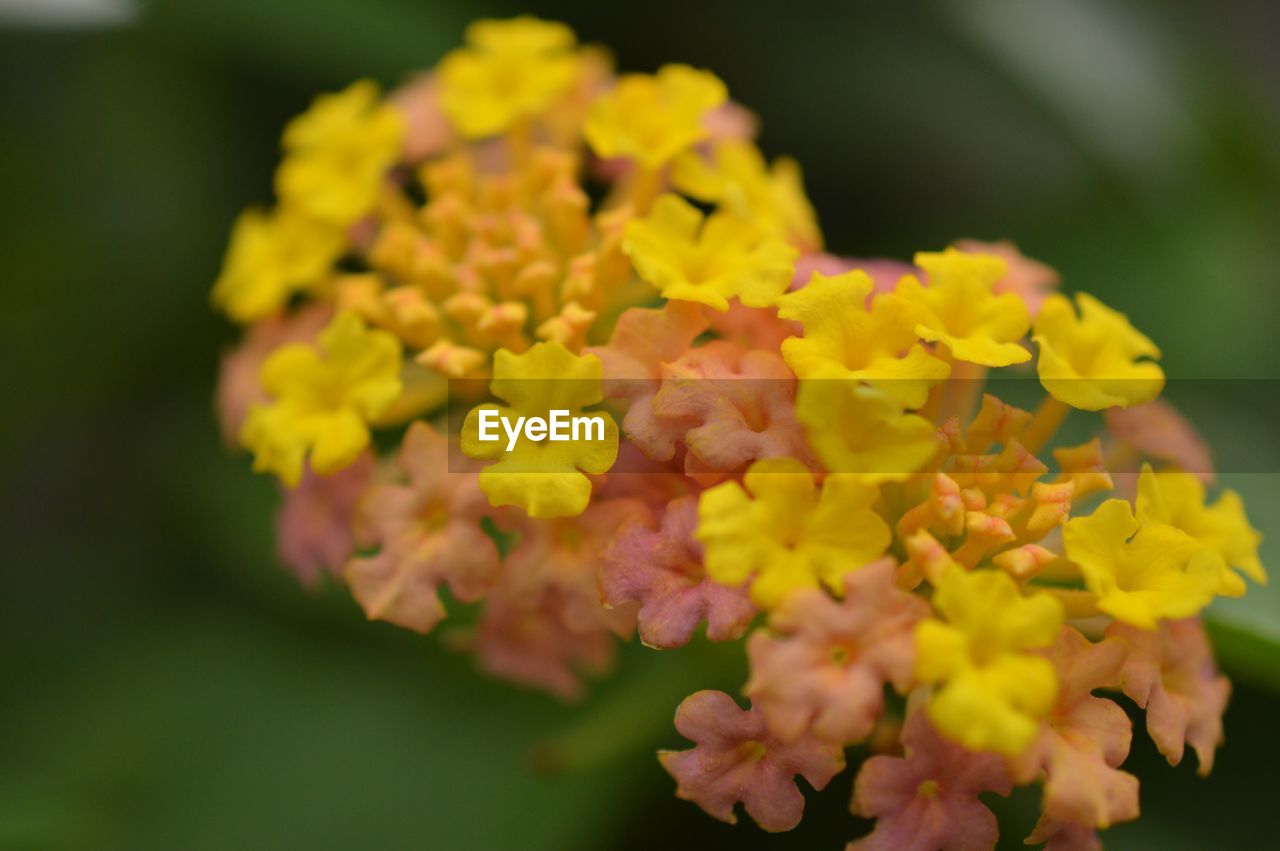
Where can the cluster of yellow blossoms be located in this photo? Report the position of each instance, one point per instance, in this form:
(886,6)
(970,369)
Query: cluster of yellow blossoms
(797,445)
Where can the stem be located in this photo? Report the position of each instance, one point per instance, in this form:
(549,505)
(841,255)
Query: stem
(520,142)
(645,184)
(935,404)
(1077,603)
(1045,424)
(963,388)
(1059,570)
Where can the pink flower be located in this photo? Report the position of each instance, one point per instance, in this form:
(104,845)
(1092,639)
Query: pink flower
(819,263)
(543,625)
(1084,739)
(1171,674)
(731,121)
(565,557)
(637,476)
(736,758)
(643,340)
(427,131)
(884,273)
(662,573)
(735,406)
(752,327)
(1064,836)
(528,641)
(1158,430)
(428,533)
(314,527)
(238,386)
(1028,279)
(928,800)
(826,666)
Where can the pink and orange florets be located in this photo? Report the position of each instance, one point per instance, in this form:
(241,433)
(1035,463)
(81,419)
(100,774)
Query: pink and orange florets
(799,453)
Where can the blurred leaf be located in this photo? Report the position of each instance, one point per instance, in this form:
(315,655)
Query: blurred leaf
(335,41)
(204,729)
(1247,650)
(1124,103)
(67,13)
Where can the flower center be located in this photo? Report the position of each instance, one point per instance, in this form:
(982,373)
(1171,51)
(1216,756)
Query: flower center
(928,789)
(753,751)
(435,516)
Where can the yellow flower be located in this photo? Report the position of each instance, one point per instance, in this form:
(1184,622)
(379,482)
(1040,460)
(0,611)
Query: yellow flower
(844,339)
(651,119)
(860,431)
(545,477)
(1141,573)
(509,71)
(992,694)
(964,314)
(270,257)
(738,179)
(1177,499)
(709,261)
(337,154)
(1092,362)
(524,35)
(781,534)
(322,401)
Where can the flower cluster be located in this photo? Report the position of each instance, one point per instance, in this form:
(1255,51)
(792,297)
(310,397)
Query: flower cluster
(798,451)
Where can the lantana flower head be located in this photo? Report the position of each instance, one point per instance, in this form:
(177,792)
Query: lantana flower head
(797,455)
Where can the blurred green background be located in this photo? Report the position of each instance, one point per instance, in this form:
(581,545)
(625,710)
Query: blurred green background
(166,685)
